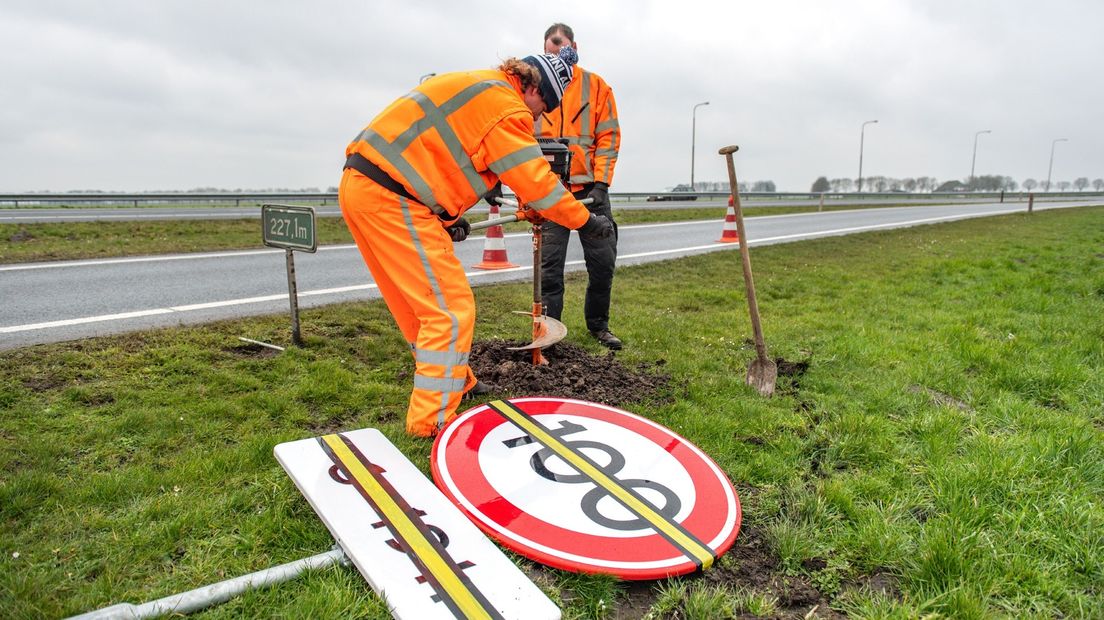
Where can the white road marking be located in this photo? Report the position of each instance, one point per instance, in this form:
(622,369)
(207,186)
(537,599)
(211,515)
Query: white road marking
(471,274)
(187,308)
(156,259)
(327,248)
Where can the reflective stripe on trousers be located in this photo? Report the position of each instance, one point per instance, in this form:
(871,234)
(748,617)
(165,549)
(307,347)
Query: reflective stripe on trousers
(411,259)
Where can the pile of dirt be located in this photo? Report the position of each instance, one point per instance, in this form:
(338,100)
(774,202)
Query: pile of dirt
(21,235)
(572,372)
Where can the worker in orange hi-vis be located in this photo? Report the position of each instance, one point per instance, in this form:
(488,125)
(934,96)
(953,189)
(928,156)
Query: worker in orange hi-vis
(587,119)
(410,176)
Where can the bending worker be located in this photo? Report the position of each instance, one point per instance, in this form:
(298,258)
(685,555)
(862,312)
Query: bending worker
(588,119)
(410,176)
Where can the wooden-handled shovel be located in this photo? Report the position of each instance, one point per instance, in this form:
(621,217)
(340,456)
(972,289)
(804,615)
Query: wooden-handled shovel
(762,373)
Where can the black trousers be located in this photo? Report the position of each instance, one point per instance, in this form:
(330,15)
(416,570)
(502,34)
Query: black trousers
(600,256)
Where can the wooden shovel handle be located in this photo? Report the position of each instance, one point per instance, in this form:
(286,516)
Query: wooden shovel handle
(749,281)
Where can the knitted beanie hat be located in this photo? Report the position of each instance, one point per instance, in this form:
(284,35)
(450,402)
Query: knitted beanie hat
(555,72)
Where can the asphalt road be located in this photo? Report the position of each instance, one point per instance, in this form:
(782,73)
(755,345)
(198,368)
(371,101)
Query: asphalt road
(49,302)
(43,215)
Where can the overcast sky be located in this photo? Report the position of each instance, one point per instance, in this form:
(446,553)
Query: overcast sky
(144,95)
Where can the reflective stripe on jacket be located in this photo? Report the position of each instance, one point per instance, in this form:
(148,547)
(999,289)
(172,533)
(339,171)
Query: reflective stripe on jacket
(454,136)
(587,116)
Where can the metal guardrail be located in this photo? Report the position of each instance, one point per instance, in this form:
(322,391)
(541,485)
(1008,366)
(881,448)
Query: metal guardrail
(164,198)
(323,198)
(850,196)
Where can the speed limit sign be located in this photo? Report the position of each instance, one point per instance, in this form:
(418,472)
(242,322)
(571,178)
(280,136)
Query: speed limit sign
(586,487)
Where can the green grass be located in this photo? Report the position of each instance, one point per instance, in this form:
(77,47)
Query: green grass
(22,243)
(697,601)
(948,434)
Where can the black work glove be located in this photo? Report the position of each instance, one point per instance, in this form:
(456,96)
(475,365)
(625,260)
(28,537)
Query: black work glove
(600,196)
(459,230)
(496,192)
(598,226)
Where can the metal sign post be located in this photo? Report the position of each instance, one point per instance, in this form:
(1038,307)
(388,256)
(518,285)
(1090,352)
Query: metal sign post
(416,549)
(292,228)
(207,596)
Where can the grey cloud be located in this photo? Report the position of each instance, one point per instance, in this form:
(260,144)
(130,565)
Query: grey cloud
(130,95)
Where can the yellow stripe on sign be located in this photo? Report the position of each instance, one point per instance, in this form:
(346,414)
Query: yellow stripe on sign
(394,515)
(690,546)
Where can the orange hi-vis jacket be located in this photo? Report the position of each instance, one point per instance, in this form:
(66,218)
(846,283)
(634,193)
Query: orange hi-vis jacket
(587,117)
(447,143)
(453,137)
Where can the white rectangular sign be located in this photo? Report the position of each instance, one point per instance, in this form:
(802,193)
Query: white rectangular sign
(416,549)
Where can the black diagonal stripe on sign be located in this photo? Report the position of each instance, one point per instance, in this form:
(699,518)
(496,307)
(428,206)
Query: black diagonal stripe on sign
(447,597)
(694,549)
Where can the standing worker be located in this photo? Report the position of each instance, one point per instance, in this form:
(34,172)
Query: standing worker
(587,118)
(409,177)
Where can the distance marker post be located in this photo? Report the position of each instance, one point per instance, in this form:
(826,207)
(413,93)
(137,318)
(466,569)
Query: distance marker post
(290,227)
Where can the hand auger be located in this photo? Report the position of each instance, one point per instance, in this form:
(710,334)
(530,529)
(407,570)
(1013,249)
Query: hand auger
(546,330)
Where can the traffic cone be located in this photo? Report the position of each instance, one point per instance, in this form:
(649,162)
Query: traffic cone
(494,248)
(729,234)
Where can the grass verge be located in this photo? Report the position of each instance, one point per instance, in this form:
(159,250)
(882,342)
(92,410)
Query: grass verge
(943,452)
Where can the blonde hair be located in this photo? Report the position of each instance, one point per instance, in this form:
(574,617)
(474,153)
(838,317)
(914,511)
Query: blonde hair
(526,73)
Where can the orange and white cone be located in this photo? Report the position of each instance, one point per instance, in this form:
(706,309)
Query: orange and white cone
(494,248)
(729,234)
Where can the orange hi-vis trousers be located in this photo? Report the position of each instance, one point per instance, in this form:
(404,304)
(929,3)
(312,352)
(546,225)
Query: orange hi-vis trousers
(411,259)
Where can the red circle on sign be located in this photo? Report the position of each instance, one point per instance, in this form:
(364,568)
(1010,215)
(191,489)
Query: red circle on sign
(540,506)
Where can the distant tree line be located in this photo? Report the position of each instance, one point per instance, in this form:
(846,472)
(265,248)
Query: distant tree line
(984,183)
(723,186)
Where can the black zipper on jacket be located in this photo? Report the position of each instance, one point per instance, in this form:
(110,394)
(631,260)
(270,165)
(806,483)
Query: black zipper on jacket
(576,117)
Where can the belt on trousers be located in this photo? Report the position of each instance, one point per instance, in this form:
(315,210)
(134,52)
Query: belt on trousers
(363,165)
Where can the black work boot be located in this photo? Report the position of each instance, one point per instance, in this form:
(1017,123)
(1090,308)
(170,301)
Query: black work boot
(607,338)
(479,389)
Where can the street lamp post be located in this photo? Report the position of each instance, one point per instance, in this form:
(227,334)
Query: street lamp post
(974,159)
(693,140)
(862,139)
(1050,168)
(426,77)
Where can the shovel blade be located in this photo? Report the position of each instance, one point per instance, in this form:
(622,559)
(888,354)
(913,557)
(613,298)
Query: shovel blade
(547,331)
(762,374)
